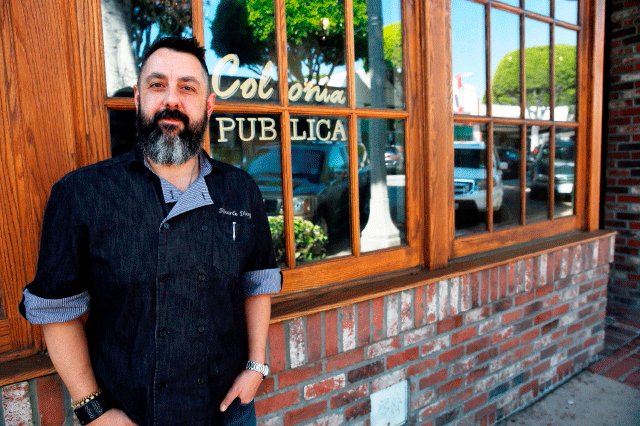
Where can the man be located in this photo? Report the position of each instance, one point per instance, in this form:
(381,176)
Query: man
(169,252)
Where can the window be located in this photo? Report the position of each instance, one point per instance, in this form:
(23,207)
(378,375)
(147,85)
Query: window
(515,80)
(311,100)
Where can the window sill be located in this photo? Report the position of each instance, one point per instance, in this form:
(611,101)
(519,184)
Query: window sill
(304,303)
(19,370)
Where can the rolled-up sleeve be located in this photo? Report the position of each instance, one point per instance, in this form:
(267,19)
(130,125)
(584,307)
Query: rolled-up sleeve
(264,281)
(46,311)
(58,292)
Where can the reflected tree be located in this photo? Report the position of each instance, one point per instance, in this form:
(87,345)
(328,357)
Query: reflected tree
(506,80)
(315,34)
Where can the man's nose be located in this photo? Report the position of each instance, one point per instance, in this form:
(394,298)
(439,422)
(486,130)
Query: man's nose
(172,100)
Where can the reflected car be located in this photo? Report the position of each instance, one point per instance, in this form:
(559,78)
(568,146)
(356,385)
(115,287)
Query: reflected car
(394,159)
(320,182)
(511,157)
(564,171)
(470,177)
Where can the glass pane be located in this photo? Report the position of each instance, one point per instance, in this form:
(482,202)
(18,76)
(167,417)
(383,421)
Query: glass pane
(381,176)
(320,171)
(537,70)
(316,52)
(470,179)
(564,166)
(378,51)
(515,3)
(567,10)
(506,187)
(468,56)
(505,63)
(122,129)
(537,173)
(239,37)
(565,74)
(252,143)
(541,7)
(129,28)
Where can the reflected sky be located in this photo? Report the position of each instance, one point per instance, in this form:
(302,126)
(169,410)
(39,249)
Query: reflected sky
(468,56)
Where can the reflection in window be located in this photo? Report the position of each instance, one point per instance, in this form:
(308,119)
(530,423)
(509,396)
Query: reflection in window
(381,181)
(470,180)
(316,51)
(241,53)
(565,74)
(567,10)
(468,58)
(122,129)
(320,172)
(536,57)
(129,28)
(379,67)
(564,172)
(505,63)
(537,204)
(507,143)
(541,7)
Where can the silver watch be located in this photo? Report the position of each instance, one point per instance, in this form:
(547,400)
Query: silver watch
(260,368)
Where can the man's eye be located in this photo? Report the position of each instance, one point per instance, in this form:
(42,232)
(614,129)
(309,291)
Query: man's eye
(189,88)
(155,85)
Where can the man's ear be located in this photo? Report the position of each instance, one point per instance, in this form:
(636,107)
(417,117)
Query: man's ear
(136,96)
(211,100)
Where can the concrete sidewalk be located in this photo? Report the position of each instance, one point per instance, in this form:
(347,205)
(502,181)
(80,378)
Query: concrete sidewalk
(588,399)
(606,394)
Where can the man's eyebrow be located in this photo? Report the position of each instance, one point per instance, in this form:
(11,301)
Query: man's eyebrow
(185,79)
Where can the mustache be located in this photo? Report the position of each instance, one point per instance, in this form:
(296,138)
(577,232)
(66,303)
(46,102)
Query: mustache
(171,113)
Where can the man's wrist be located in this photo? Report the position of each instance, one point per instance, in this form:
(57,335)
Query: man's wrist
(93,406)
(260,368)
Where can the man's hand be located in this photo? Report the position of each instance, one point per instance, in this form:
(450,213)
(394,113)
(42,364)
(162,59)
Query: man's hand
(244,387)
(113,417)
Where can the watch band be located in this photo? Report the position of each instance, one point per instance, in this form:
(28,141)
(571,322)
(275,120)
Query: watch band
(260,368)
(93,409)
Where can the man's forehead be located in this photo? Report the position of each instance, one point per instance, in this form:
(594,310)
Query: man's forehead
(167,62)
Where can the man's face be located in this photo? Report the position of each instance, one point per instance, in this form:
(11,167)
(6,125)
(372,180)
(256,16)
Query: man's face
(173,106)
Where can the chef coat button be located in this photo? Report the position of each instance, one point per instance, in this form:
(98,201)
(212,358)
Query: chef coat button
(201,329)
(162,333)
(163,278)
(205,227)
(201,277)
(200,381)
(166,225)
(161,386)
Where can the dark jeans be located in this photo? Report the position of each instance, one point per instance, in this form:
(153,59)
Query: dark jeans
(240,415)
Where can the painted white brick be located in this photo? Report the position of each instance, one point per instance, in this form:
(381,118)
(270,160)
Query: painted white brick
(392,315)
(297,346)
(16,404)
(443,296)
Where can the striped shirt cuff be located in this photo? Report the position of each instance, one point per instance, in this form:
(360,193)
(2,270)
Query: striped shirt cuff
(264,281)
(46,311)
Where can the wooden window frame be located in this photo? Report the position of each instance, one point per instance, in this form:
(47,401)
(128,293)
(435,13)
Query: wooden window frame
(587,147)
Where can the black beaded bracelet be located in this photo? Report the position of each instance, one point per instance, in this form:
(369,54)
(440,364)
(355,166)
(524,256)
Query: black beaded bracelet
(93,409)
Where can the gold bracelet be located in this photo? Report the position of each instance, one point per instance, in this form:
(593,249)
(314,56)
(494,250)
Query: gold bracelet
(86,399)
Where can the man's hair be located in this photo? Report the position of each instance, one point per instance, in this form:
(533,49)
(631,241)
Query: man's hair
(179,44)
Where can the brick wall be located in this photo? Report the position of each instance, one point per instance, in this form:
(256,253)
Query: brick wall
(622,207)
(472,348)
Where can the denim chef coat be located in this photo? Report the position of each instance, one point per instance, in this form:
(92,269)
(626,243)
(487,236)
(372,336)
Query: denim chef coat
(166,329)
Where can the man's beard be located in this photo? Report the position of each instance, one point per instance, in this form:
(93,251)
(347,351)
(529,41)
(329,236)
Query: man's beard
(165,146)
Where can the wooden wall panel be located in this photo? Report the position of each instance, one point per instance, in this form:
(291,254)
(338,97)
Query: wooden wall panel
(41,125)
(438,141)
